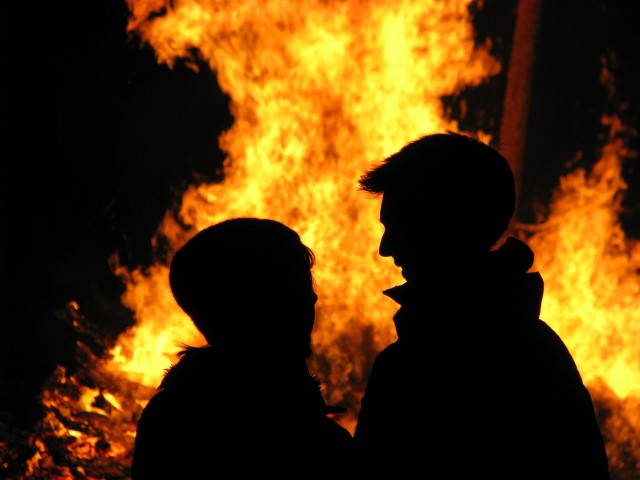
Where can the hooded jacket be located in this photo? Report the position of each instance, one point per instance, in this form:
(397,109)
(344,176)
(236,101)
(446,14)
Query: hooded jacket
(477,386)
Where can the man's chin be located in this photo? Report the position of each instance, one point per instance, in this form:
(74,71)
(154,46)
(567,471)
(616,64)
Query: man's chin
(413,274)
(407,274)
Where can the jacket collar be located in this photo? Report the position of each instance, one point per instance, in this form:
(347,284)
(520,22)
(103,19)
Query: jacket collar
(500,285)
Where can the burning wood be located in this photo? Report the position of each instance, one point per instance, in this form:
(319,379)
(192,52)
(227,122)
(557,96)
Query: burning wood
(87,429)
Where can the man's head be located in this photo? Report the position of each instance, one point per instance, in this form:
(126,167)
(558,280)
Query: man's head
(446,197)
(246,283)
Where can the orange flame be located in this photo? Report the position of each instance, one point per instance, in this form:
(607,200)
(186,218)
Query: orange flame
(592,290)
(592,293)
(317,98)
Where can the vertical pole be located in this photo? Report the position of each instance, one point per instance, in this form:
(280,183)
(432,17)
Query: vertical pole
(515,110)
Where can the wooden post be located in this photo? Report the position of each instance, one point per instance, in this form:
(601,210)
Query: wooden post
(515,110)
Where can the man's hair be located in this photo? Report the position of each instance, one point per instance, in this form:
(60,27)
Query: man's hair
(460,174)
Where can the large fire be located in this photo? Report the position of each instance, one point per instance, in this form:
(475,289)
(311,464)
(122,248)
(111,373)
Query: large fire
(317,96)
(316,99)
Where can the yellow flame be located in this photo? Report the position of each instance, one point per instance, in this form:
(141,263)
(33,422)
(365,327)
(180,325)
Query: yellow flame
(87,398)
(317,97)
(592,286)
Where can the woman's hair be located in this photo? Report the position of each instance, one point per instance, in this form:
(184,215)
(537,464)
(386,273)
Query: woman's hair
(227,275)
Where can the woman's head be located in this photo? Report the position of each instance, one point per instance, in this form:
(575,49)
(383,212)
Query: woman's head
(247,283)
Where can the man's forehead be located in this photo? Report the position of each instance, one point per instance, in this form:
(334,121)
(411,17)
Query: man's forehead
(397,206)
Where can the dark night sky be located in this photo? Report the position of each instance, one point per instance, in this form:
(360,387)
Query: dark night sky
(102,140)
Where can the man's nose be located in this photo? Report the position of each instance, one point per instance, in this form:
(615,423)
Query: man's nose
(384,248)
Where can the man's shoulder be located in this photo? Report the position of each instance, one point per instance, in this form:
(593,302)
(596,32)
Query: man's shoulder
(547,350)
(390,351)
(544,333)
(393,354)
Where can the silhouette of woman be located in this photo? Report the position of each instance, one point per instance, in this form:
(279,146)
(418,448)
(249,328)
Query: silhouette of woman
(246,402)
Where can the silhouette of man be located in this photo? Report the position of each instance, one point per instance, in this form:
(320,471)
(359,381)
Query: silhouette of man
(245,405)
(476,386)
